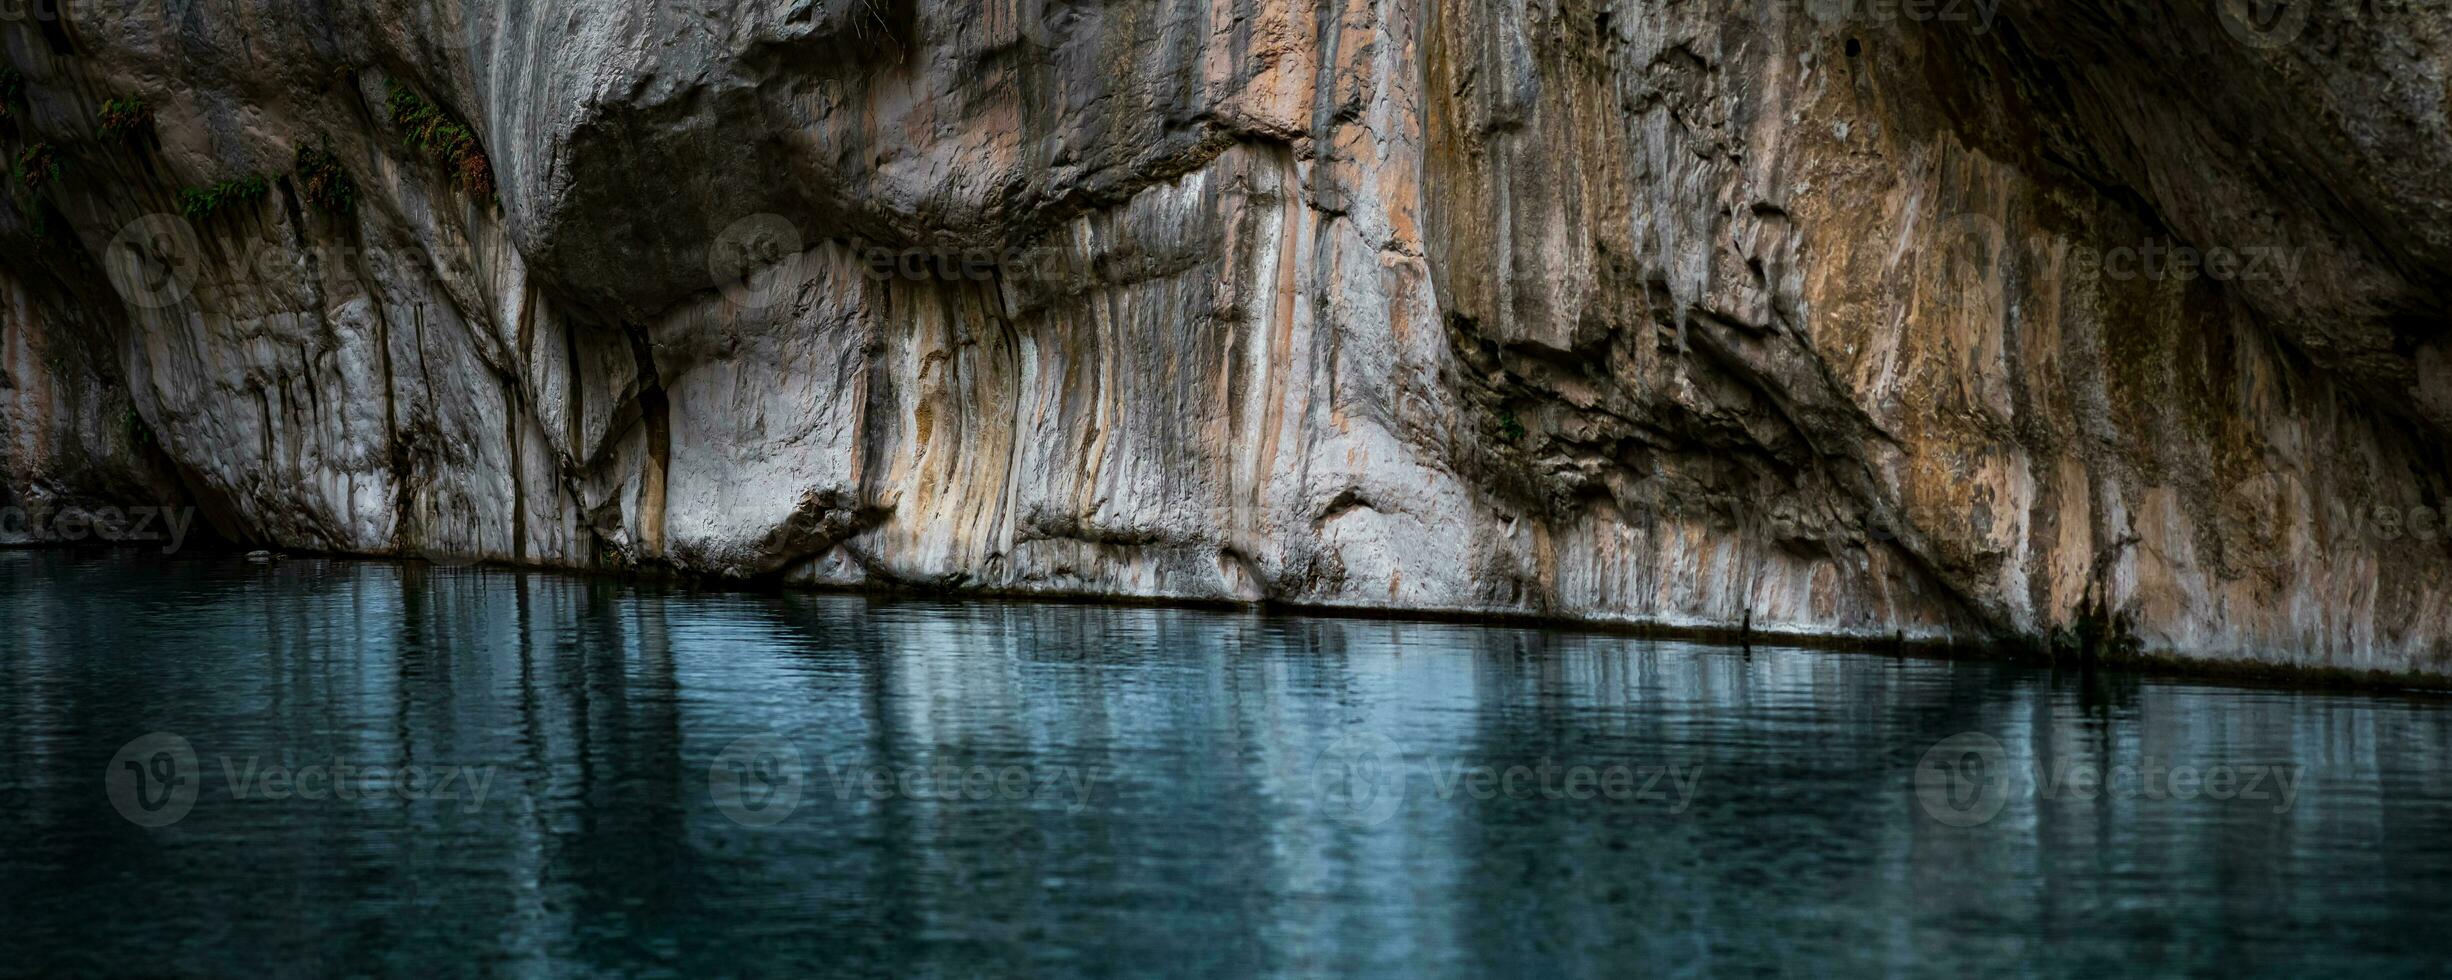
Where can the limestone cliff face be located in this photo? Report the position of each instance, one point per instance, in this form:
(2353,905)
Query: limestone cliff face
(1988,321)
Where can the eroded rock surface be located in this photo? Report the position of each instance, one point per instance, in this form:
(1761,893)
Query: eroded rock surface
(2080,322)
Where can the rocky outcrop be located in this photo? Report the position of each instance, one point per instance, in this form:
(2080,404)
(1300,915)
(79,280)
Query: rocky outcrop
(2082,323)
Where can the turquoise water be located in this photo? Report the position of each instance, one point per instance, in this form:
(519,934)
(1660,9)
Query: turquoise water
(210,766)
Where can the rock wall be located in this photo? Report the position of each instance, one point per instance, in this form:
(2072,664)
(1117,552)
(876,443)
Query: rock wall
(2082,323)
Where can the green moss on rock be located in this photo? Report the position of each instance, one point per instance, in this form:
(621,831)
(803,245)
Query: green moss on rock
(125,118)
(38,166)
(325,183)
(199,202)
(435,132)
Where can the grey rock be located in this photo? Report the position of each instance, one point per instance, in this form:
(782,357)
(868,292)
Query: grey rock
(1782,316)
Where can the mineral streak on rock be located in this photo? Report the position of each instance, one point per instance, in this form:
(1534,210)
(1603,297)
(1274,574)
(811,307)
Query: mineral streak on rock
(2109,322)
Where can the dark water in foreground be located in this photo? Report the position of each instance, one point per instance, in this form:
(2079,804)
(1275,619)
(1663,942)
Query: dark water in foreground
(552,775)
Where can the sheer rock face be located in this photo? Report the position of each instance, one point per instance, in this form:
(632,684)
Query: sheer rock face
(1788,316)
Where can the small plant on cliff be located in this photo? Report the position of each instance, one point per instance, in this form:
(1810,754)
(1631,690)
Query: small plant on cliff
(435,132)
(1509,427)
(37,166)
(125,118)
(324,183)
(42,219)
(12,92)
(198,202)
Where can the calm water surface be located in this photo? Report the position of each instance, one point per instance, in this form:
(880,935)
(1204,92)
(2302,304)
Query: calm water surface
(555,775)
